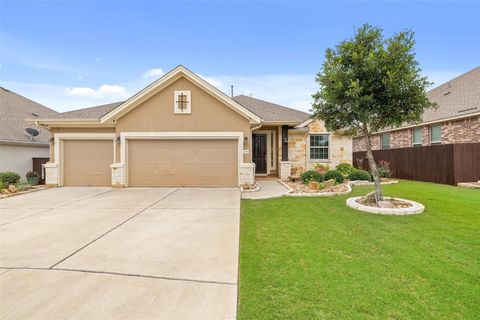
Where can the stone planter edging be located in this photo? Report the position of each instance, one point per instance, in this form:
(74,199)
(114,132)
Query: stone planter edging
(8,195)
(314,194)
(416,207)
(257,188)
(368,183)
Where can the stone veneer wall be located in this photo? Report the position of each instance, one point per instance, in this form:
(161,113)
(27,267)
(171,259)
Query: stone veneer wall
(340,147)
(458,131)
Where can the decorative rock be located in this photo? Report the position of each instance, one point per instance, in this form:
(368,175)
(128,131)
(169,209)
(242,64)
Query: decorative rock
(385,204)
(314,185)
(12,188)
(384,179)
(329,183)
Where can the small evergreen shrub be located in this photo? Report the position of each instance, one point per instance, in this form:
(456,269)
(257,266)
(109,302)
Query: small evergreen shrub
(311,175)
(359,175)
(334,174)
(384,169)
(8,177)
(345,168)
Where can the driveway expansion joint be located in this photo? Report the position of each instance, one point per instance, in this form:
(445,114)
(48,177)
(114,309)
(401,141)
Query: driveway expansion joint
(112,229)
(121,274)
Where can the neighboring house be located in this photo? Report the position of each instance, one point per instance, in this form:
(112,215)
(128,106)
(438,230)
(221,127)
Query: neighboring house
(456,120)
(17,147)
(182,131)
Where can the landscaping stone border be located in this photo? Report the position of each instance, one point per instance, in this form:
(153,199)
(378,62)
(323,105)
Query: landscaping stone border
(314,194)
(368,183)
(257,188)
(416,207)
(8,195)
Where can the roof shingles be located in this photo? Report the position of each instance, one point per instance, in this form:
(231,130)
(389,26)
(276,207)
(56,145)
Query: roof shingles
(14,109)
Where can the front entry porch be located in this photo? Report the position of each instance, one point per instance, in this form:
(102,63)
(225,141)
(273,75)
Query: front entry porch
(265,151)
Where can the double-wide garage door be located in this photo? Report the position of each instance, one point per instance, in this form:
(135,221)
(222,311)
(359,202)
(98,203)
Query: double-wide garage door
(179,162)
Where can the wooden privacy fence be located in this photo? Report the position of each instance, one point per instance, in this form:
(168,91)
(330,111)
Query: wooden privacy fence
(447,164)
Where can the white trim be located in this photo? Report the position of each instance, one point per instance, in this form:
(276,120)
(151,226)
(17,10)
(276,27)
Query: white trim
(58,146)
(124,136)
(303,124)
(170,77)
(176,94)
(329,147)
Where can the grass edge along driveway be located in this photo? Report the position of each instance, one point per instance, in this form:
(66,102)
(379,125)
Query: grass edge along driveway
(315,258)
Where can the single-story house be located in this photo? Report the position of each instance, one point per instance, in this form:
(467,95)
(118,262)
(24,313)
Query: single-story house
(182,131)
(456,120)
(18,147)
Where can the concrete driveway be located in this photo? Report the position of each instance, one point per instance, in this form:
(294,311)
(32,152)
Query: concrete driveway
(136,253)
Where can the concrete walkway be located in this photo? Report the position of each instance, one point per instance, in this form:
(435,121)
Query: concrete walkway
(268,189)
(137,253)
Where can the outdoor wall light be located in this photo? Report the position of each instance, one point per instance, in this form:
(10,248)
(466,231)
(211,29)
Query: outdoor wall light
(52,140)
(245,139)
(117,139)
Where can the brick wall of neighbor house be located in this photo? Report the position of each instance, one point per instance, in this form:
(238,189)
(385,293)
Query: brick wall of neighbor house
(340,147)
(462,131)
(359,143)
(459,131)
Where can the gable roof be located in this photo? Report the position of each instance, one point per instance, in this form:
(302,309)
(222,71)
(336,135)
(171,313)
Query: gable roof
(455,98)
(14,109)
(167,79)
(271,112)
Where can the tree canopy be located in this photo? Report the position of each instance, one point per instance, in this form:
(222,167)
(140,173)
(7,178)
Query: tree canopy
(369,82)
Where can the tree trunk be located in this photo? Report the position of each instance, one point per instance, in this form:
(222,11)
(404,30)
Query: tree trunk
(373,165)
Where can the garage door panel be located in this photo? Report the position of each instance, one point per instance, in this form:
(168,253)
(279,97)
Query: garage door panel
(87,162)
(182,163)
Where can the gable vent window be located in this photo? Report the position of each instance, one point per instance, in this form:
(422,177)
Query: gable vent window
(182,102)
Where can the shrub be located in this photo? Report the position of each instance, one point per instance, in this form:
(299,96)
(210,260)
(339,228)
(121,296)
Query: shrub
(311,175)
(359,175)
(345,168)
(8,177)
(384,169)
(31,174)
(321,167)
(334,174)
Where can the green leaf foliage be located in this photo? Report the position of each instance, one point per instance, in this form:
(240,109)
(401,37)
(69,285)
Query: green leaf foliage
(371,82)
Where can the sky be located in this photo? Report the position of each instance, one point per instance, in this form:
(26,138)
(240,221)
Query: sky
(70,55)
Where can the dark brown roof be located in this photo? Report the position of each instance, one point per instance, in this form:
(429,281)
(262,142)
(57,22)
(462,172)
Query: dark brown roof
(14,109)
(270,111)
(457,97)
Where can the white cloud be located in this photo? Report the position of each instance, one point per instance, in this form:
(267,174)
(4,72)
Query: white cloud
(104,91)
(153,73)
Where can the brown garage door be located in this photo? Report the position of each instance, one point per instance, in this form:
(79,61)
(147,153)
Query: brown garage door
(87,162)
(182,163)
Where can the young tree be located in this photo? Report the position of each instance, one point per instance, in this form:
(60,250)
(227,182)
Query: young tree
(369,83)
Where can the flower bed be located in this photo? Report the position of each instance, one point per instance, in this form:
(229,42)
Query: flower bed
(301,189)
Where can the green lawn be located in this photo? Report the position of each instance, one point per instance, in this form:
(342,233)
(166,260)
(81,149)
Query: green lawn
(315,258)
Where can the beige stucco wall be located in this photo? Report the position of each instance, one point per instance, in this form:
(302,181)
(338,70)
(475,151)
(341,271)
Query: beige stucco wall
(208,114)
(340,147)
(74,130)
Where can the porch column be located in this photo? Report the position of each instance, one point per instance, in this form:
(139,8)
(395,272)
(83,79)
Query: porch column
(284,143)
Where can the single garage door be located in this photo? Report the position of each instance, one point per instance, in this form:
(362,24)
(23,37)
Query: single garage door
(87,162)
(182,163)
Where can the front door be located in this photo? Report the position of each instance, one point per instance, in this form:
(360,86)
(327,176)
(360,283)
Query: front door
(259,156)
